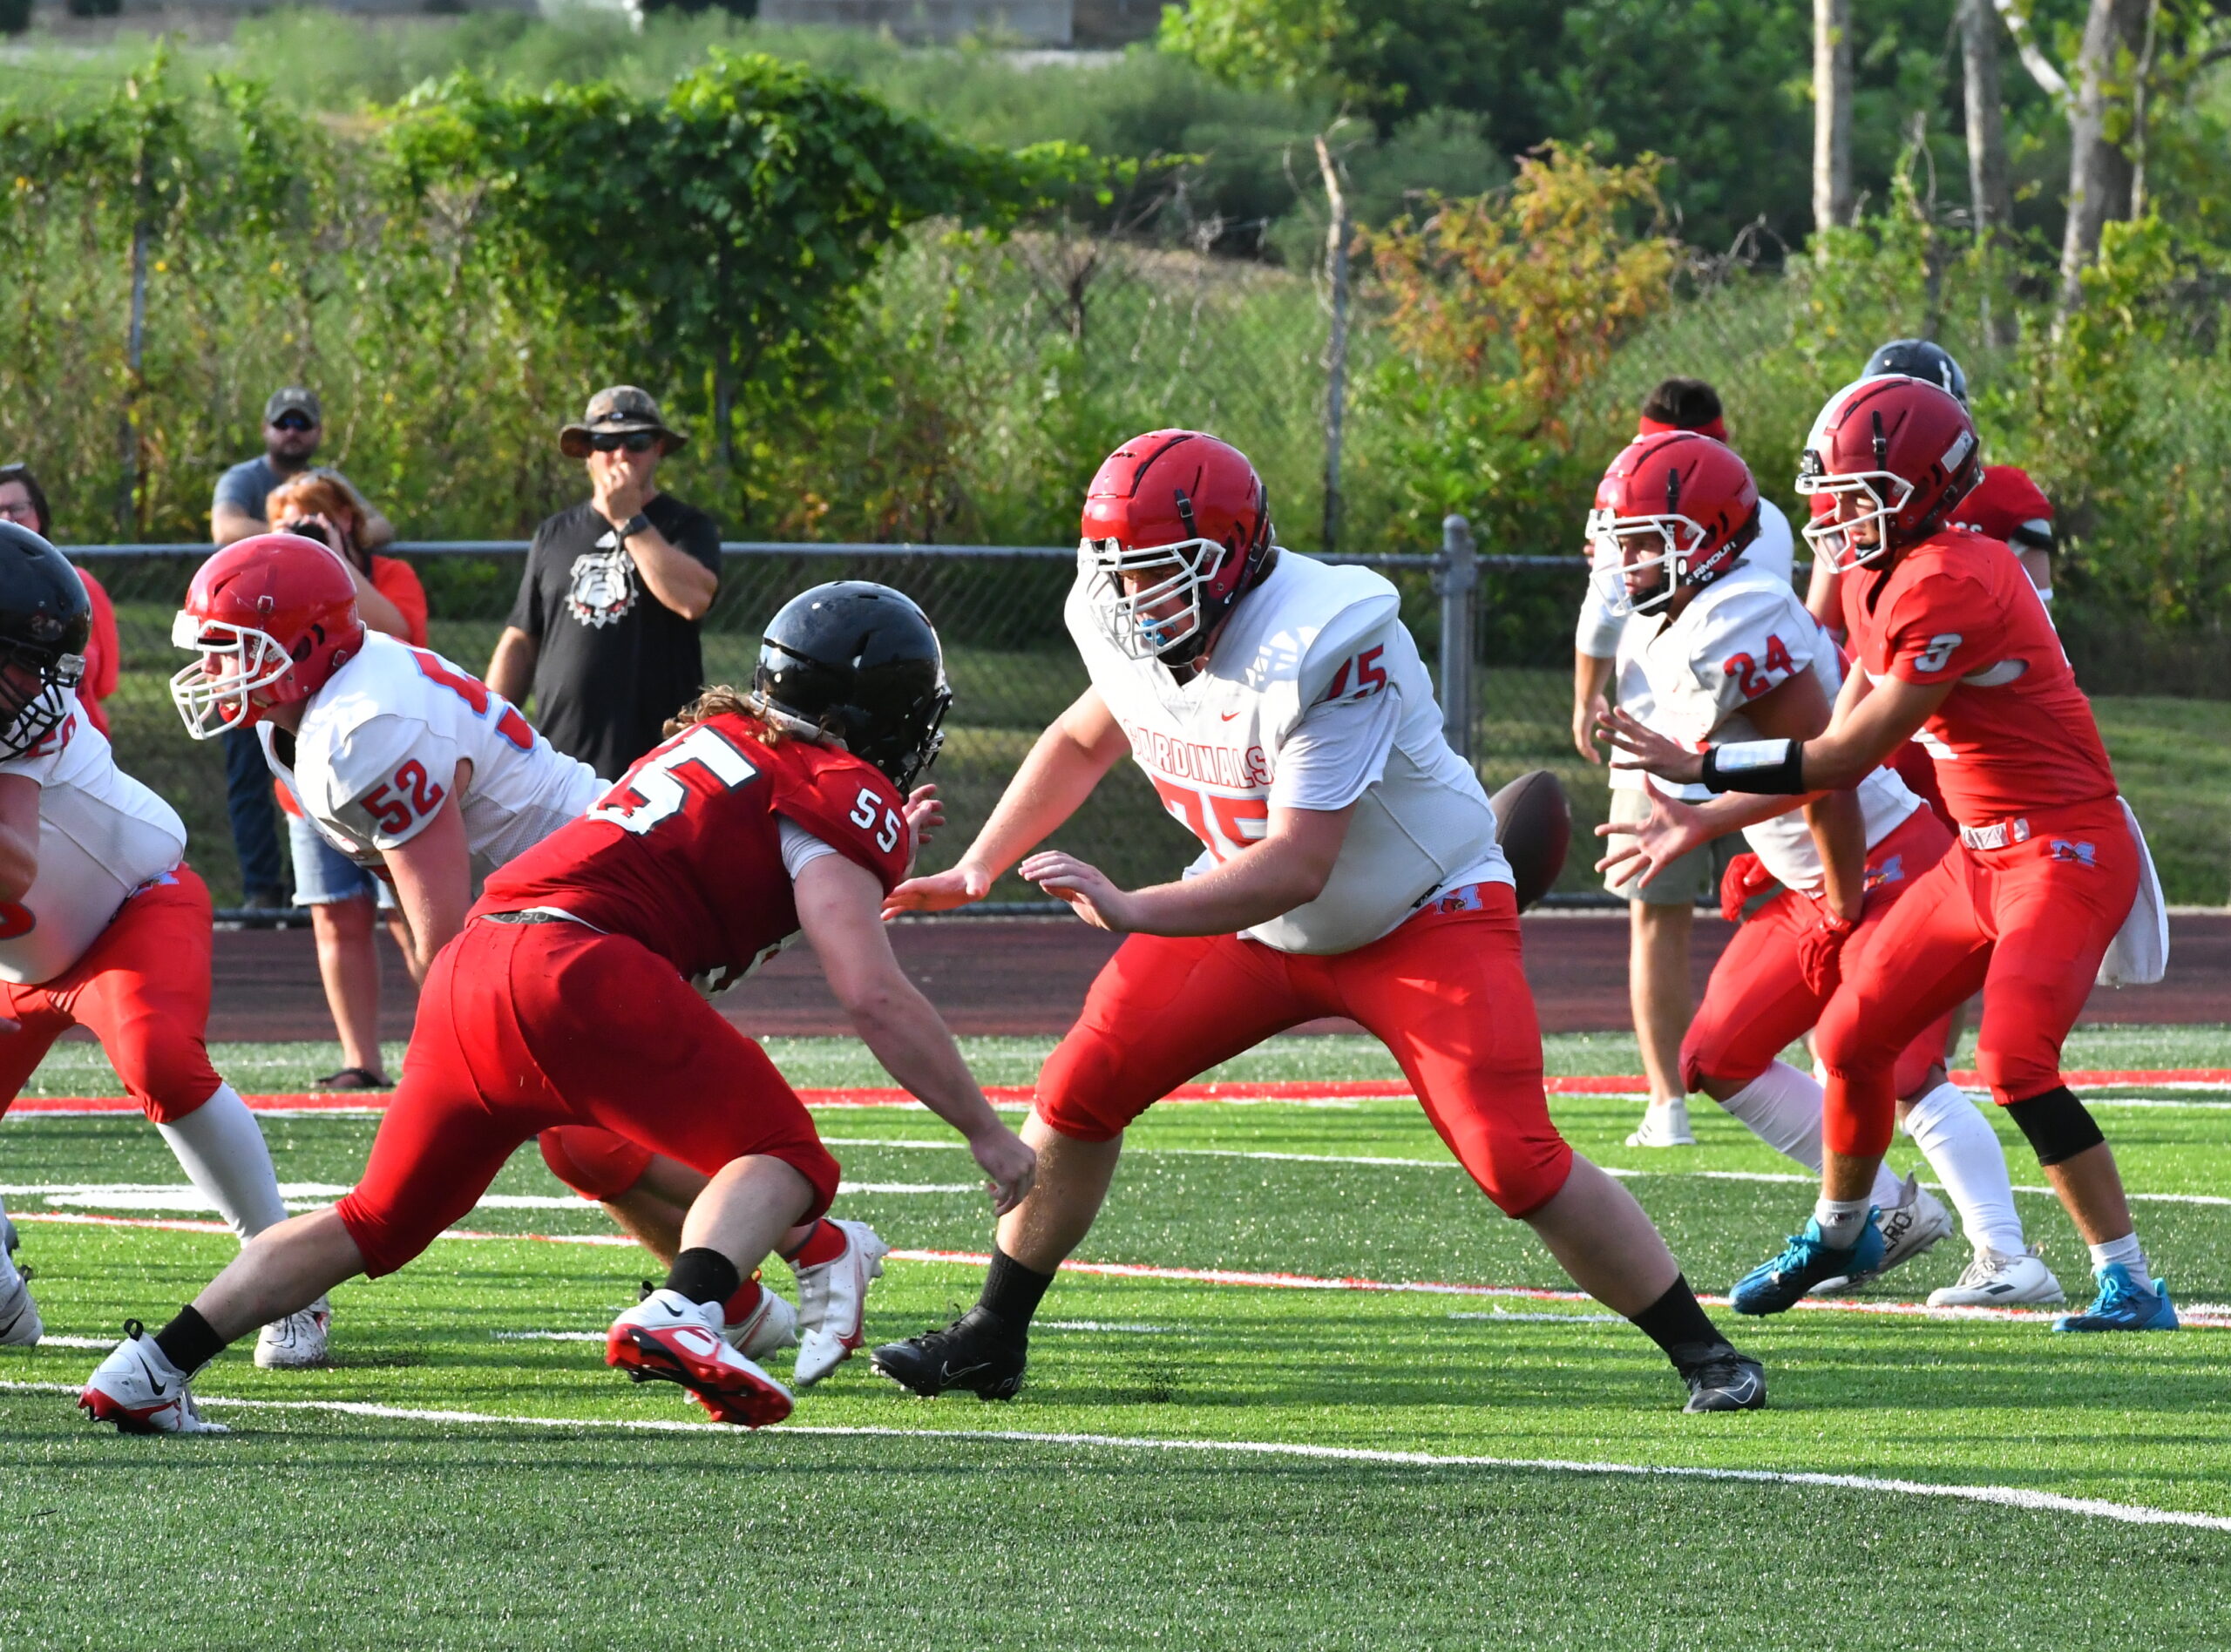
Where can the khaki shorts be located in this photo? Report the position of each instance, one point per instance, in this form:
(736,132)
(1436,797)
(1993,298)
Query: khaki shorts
(1684,882)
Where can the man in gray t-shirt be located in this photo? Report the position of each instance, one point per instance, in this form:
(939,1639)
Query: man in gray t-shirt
(293,422)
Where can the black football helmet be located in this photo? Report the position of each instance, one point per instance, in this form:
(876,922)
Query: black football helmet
(859,663)
(46,620)
(1918,358)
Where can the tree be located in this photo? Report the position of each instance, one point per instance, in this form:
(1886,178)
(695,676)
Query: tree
(728,226)
(2099,130)
(1832,199)
(1990,194)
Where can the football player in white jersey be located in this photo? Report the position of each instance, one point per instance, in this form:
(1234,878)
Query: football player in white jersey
(1661,912)
(1732,654)
(102,925)
(420,773)
(1349,868)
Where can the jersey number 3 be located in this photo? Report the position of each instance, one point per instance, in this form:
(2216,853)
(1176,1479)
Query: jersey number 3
(654,791)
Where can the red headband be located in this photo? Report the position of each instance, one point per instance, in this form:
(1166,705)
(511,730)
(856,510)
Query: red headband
(1648,426)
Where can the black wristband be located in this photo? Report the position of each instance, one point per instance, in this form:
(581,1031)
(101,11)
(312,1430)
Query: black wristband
(1782,779)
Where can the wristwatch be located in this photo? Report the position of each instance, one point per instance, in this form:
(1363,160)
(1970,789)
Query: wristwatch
(634,525)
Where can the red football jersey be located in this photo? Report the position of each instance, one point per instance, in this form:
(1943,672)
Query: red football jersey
(684,855)
(2017,732)
(2002,502)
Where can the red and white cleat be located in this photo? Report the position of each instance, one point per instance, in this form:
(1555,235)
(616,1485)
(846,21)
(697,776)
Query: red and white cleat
(833,1302)
(666,1338)
(139,1389)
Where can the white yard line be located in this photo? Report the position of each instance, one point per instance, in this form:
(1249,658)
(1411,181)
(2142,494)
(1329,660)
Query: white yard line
(2002,1496)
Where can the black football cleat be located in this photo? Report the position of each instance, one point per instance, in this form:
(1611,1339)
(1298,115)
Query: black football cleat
(1720,1379)
(977,1354)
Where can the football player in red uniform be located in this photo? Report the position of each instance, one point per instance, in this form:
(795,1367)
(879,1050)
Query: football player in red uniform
(1950,641)
(1349,867)
(566,999)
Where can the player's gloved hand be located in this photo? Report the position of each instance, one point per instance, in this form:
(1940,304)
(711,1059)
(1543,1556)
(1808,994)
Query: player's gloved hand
(1820,954)
(1009,1162)
(940,891)
(1744,879)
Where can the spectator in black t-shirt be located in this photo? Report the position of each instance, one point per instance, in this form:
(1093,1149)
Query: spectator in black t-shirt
(605,629)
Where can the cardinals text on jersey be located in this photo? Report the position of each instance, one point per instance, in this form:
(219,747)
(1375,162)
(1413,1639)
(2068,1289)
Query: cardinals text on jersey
(379,748)
(1314,660)
(101,835)
(1738,638)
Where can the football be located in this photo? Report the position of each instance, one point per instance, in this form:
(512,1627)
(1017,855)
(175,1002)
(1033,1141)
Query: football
(1534,825)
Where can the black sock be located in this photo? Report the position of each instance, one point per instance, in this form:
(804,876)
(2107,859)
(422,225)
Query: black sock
(188,1343)
(1011,1290)
(703,1276)
(1676,1323)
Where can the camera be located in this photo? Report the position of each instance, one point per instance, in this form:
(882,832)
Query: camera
(308,531)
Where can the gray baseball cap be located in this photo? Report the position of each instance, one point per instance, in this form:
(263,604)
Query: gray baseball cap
(293,399)
(615,412)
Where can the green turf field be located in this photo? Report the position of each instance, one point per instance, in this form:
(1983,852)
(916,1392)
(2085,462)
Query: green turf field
(505,1489)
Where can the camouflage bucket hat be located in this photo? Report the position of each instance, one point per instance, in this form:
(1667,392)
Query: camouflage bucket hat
(616,412)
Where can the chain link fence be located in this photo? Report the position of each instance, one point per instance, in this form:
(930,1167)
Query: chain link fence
(998,609)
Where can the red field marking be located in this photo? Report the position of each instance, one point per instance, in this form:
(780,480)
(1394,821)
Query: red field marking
(1020,1094)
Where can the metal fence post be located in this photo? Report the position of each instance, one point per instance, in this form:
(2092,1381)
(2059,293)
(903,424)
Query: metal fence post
(1455,577)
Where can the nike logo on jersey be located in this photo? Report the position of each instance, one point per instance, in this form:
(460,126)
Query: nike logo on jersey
(1227,716)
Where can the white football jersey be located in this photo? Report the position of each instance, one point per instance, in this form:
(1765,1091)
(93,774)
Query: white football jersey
(1740,636)
(1314,667)
(101,835)
(379,746)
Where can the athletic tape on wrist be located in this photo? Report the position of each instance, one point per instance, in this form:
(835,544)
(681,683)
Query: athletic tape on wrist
(1770,765)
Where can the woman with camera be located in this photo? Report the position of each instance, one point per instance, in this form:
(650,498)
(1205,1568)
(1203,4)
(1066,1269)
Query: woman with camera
(340,893)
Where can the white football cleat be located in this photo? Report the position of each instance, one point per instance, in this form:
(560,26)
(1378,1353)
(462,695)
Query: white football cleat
(772,1325)
(296,1342)
(1664,1124)
(139,1389)
(20,1325)
(833,1302)
(1909,1227)
(666,1338)
(1994,1280)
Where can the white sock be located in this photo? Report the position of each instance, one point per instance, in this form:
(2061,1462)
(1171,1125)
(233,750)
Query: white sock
(1842,1221)
(2126,1251)
(1781,1107)
(222,1152)
(1960,1146)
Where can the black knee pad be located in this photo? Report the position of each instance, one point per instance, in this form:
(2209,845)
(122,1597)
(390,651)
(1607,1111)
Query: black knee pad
(2059,1126)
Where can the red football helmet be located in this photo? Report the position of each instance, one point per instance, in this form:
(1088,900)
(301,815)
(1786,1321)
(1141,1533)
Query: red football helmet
(1186,503)
(1902,450)
(272,618)
(1694,494)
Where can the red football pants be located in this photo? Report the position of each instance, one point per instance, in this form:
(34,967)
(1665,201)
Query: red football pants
(1444,992)
(522,1026)
(143,989)
(1758,1003)
(2027,923)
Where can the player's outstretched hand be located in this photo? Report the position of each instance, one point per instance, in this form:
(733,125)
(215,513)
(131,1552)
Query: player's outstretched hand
(1674,828)
(938,892)
(924,813)
(1089,891)
(1011,1164)
(1645,748)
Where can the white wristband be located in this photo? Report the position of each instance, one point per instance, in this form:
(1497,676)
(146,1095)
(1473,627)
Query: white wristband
(1750,753)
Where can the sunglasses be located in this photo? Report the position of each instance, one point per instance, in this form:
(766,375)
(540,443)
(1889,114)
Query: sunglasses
(294,422)
(634,441)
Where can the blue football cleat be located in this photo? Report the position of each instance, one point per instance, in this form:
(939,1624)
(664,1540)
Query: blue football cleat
(2123,1304)
(1774,1287)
